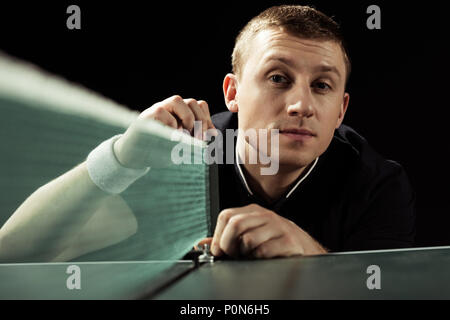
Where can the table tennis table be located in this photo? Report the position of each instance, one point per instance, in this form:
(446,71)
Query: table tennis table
(417,273)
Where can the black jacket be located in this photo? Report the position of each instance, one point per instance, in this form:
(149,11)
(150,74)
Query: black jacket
(353,199)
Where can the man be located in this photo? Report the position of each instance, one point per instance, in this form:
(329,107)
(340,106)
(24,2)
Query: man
(332,191)
(289,73)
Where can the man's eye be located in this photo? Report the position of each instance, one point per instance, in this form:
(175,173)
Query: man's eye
(323,86)
(277,78)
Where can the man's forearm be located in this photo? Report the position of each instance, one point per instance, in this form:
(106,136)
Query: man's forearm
(50,219)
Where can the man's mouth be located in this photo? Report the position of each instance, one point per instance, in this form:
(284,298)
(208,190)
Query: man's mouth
(298,134)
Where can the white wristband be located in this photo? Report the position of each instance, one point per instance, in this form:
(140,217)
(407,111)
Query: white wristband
(107,172)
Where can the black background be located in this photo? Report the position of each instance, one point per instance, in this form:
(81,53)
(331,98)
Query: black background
(138,53)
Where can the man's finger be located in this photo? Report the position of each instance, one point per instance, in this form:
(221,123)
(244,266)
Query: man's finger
(164,116)
(235,228)
(256,237)
(200,115)
(270,249)
(202,242)
(179,108)
(205,108)
(211,129)
(222,221)
(204,105)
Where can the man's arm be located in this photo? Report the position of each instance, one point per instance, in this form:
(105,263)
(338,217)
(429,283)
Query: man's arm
(53,220)
(71,216)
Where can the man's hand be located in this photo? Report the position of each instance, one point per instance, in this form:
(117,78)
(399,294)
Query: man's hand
(133,149)
(180,113)
(253,231)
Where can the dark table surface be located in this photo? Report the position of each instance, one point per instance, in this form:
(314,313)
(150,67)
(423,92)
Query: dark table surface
(98,280)
(421,273)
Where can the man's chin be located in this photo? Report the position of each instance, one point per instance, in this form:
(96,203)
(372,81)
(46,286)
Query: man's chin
(295,160)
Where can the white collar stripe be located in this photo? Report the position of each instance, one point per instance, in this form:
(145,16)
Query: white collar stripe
(304,177)
(242,175)
(293,188)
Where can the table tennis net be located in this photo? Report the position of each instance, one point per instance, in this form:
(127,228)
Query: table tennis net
(49,126)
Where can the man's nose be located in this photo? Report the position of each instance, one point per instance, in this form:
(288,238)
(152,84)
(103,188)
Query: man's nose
(300,104)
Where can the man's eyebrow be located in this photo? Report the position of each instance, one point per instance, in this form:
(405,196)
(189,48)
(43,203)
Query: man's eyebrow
(283,60)
(326,68)
(291,63)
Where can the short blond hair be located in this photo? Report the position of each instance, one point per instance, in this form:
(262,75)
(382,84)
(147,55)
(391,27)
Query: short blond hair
(301,21)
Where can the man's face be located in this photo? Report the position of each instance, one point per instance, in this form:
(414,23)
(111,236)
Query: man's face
(289,83)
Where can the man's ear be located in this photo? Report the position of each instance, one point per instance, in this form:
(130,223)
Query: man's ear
(343,107)
(230,92)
